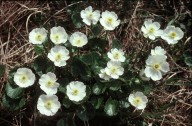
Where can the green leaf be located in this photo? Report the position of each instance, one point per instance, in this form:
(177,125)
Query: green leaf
(66,102)
(14,92)
(97,43)
(78,68)
(63,83)
(114,85)
(90,58)
(116,44)
(2,70)
(39,49)
(13,104)
(77,21)
(97,102)
(111,107)
(124,103)
(66,122)
(11,75)
(188,58)
(96,29)
(188,61)
(98,88)
(147,88)
(42,65)
(85,112)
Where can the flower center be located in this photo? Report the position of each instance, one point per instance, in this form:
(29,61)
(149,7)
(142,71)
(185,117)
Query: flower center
(56,37)
(75,92)
(156,66)
(49,83)
(48,104)
(151,30)
(78,42)
(173,35)
(39,37)
(109,20)
(116,56)
(137,101)
(23,78)
(58,57)
(113,70)
(90,15)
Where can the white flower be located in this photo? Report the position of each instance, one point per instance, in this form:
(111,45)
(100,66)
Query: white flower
(109,20)
(151,29)
(58,35)
(104,75)
(89,16)
(138,100)
(143,76)
(48,104)
(116,55)
(48,83)
(156,65)
(78,39)
(114,69)
(76,91)
(59,55)
(38,35)
(24,77)
(172,34)
(158,51)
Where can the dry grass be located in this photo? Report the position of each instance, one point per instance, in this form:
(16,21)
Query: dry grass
(18,18)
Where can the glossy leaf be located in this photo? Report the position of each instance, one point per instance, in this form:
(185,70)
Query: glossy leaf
(13,104)
(85,112)
(111,107)
(14,92)
(98,88)
(96,29)
(66,122)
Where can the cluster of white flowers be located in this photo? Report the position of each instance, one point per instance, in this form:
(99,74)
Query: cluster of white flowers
(156,64)
(109,19)
(58,54)
(170,34)
(138,100)
(114,68)
(48,104)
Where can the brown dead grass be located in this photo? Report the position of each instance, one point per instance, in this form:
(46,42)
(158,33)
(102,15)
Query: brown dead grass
(17,19)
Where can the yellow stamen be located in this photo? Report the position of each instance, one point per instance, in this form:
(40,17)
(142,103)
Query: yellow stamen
(75,92)
(113,70)
(58,57)
(151,30)
(23,78)
(39,37)
(116,56)
(156,66)
(109,20)
(78,41)
(56,38)
(49,84)
(173,35)
(137,101)
(48,104)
